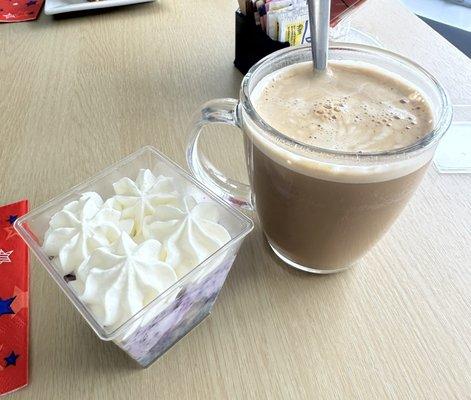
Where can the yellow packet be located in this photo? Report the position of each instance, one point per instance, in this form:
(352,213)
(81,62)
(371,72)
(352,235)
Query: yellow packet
(292,32)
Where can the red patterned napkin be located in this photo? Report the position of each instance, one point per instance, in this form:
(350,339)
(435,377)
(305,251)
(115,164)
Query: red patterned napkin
(14,305)
(19,10)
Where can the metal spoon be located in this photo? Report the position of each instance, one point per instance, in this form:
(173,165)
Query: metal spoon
(319,19)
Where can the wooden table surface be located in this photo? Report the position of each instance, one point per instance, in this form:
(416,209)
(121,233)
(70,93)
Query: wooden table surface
(79,93)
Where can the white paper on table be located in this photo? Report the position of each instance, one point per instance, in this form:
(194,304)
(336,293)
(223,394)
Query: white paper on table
(453,154)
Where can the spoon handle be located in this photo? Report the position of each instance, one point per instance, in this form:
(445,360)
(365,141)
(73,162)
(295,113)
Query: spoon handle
(319,18)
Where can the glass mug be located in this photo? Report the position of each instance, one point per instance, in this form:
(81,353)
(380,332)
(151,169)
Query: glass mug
(321,210)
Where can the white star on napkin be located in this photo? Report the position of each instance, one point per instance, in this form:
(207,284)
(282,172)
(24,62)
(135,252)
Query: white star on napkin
(5,256)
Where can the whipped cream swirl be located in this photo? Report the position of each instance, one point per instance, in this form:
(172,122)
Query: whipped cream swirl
(137,199)
(128,250)
(79,228)
(189,232)
(117,281)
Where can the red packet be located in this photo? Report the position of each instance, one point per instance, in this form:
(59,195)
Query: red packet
(339,9)
(19,10)
(14,304)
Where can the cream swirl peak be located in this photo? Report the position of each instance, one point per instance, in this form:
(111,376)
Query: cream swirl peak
(79,228)
(189,232)
(117,281)
(137,199)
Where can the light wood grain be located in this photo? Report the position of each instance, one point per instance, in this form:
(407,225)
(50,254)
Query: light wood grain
(80,93)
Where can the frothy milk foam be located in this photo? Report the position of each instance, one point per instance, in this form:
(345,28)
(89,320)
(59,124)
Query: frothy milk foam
(353,107)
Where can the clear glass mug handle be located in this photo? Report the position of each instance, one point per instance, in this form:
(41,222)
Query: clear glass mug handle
(218,111)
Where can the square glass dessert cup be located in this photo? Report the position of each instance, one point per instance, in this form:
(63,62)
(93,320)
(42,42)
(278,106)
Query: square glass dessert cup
(153,330)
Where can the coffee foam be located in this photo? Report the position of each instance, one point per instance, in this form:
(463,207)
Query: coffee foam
(382,112)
